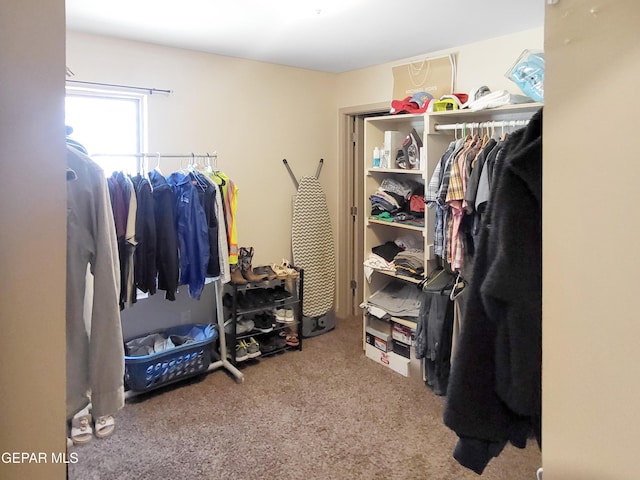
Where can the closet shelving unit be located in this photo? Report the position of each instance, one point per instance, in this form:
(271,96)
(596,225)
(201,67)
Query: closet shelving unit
(438,129)
(377,232)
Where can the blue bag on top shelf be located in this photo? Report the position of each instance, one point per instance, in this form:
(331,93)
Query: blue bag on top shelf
(528,73)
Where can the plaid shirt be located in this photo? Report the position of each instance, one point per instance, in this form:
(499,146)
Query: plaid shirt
(455,198)
(434,196)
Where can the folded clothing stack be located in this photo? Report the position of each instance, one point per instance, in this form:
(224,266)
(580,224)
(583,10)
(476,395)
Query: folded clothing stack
(398,299)
(402,255)
(398,201)
(410,262)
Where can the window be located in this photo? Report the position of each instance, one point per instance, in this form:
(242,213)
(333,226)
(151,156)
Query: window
(106,122)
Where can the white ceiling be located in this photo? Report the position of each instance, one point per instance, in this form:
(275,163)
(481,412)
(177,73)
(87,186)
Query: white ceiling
(327,35)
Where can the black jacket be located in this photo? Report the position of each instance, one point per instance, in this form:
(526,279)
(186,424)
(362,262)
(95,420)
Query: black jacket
(144,258)
(164,205)
(494,391)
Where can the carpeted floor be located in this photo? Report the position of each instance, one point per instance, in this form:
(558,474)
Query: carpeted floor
(326,412)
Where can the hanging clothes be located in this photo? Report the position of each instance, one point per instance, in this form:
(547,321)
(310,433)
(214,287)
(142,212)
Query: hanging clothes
(95,351)
(193,235)
(223,245)
(230,201)
(434,330)
(124,212)
(494,394)
(145,269)
(164,207)
(207,195)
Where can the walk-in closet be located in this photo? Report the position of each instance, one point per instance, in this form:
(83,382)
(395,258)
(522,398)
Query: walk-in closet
(221,262)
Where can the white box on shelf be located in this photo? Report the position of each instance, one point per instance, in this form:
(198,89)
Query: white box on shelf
(392,143)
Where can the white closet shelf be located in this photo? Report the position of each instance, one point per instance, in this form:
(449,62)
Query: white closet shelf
(396,225)
(404,321)
(400,277)
(394,170)
(486,112)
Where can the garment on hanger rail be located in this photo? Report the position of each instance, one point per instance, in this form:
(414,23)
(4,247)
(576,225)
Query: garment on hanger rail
(124,204)
(193,235)
(222,241)
(95,352)
(230,204)
(145,269)
(164,206)
(494,394)
(207,195)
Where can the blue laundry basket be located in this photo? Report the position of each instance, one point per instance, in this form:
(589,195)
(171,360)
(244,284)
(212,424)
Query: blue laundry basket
(147,372)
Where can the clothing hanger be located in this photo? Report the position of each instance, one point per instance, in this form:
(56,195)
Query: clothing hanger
(504,134)
(458,287)
(485,136)
(157,167)
(214,159)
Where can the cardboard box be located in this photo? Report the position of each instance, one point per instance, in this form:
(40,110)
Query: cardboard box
(402,349)
(392,143)
(399,364)
(379,325)
(378,339)
(377,355)
(402,333)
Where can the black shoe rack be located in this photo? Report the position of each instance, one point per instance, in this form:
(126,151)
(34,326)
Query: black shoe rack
(258,302)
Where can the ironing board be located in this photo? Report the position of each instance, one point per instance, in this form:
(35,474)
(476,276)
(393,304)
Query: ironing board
(313,247)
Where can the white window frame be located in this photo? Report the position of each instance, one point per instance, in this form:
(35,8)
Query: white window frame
(140,99)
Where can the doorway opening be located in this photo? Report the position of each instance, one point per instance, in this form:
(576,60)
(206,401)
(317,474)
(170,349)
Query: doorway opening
(352,210)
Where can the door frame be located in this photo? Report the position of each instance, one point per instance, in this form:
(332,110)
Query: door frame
(351,166)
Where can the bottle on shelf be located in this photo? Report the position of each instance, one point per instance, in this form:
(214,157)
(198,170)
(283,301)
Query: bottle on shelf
(376,157)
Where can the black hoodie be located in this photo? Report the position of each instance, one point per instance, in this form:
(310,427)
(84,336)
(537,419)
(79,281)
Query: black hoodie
(494,391)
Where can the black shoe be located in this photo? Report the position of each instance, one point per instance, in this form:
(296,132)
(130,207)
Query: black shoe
(280,293)
(263,322)
(267,344)
(227,300)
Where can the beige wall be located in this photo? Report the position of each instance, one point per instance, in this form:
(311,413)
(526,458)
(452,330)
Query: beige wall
(591,329)
(253,114)
(481,63)
(33,239)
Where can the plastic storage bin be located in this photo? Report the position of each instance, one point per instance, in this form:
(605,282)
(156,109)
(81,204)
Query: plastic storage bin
(147,372)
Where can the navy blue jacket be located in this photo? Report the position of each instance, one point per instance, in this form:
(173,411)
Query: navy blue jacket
(193,233)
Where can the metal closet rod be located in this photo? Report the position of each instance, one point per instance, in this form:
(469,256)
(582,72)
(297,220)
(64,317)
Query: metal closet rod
(503,123)
(127,87)
(156,155)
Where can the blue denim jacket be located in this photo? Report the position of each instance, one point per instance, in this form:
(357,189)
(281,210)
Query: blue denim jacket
(193,234)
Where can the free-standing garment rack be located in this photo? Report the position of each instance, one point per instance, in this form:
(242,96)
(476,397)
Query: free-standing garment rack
(217,282)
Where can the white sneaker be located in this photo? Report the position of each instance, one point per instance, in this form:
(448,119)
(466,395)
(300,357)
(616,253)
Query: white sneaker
(281,315)
(289,317)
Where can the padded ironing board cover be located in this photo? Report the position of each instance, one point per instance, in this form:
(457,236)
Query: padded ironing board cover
(313,248)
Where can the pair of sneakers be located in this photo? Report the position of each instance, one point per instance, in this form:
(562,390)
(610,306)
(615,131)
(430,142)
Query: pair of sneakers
(246,349)
(284,315)
(242,326)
